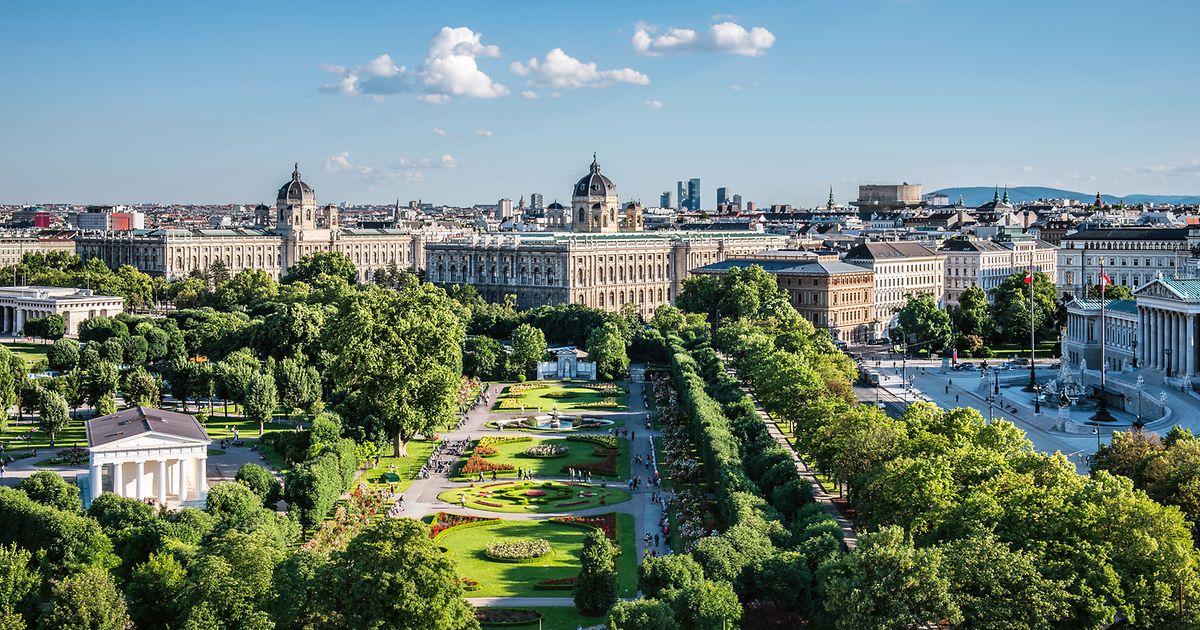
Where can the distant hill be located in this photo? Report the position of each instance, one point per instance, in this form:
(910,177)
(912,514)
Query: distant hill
(977,195)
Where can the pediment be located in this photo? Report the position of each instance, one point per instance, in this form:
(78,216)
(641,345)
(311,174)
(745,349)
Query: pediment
(1157,289)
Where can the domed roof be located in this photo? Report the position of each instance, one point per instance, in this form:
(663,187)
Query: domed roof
(555,206)
(594,184)
(296,191)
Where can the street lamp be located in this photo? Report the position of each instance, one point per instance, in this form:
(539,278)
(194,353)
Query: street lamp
(1135,354)
(1141,382)
(990,399)
(996,380)
(1168,353)
(1037,399)
(1096,432)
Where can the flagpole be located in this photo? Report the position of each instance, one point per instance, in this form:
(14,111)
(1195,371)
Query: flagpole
(1032,387)
(1102,414)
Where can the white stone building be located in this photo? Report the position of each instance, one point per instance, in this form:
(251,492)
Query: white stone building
(149,454)
(985,264)
(21,304)
(901,269)
(1133,256)
(568,363)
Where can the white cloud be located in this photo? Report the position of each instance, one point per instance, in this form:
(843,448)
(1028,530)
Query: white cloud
(736,87)
(486,133)
(402,170)
(438,131)
(1162,171)
(529,94)
(1027,169)
(450,69)
(560,70)
(725,37)
(652,104)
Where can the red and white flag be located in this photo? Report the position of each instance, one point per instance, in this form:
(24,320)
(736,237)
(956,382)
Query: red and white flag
(1028,278)
(1105,280)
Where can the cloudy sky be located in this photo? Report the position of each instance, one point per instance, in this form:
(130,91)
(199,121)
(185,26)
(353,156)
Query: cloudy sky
(470,102)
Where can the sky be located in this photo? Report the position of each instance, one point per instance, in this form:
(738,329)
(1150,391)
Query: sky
(470,102)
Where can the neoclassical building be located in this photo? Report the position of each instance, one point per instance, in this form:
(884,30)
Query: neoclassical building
(150,454)
(21,304)
(606,260)
(297,228)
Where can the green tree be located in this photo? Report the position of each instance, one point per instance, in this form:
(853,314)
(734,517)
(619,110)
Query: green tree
(19,582)
(483,357)
(606,346)
(141,388)
(49,488)
(260,399)
(299,591)
(707,605)
(528,347)
(312,266)
(153,591)
(297,385)
(1010,306)
(261,481)
(247,288)
(233,373)
(887,583)
(135,349)
(973,317)
(100,381)
(229,584)
(596,585)
(922,323)
(100,329)
(392,576)
(998,588)
(402,377)
(673,571)
(642,614)
(1111,292)
(53,416)
(291,330)
(87,600)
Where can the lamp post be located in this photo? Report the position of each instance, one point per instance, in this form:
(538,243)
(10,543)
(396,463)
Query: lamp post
(1032,330)
(1037,399)
(1141,382)
(1135,354)
(1096,432)
(1102,414)
(996,380)
(1168,353)
(990,400)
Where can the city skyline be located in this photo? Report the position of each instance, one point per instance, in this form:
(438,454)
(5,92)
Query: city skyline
(142,103)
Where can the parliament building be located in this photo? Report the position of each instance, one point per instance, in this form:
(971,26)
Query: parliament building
(604,259)
(296,228)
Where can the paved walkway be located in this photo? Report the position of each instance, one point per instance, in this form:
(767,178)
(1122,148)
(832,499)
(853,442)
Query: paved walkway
(821,494)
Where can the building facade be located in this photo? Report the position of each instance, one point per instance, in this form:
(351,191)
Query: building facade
(300,228)
(833,295)
(901,269)
(985,264)
(14,246)
(21,304)
(1133,256)
(606,261)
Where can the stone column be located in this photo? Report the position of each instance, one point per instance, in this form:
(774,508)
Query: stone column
(1158,345)
(96,479)
(140,472)
(1141,336)
(118,475)
(181,467)
(202,476)
(1189,365)
(162,482)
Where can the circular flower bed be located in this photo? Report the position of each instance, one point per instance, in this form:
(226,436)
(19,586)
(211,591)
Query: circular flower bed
(546,451)
(517,550)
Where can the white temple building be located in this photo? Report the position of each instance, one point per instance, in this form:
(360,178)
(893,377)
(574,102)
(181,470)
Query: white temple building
(148,454)
(568,363)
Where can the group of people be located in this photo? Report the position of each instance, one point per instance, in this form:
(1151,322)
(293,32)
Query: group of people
(625,432)
(441,461)
(580,475)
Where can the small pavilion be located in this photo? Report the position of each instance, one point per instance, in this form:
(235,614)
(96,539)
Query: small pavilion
(149,454)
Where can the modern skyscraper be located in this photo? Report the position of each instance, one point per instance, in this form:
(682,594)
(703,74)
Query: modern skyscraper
(664,200)
(721,196)
(504,209)
(693,193)
(737,202)
(535,202)
(681,195)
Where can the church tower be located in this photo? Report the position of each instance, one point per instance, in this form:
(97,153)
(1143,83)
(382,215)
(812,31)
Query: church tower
(296,206)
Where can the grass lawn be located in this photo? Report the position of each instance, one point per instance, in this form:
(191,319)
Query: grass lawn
(219,427)
(502,579)
(554,618)
(25,436)
(580,397)
(509,496)
(31,352)
(1044,349)
(577,453)
(406,468)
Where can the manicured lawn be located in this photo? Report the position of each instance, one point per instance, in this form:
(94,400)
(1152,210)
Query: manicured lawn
(580,397)
(406,468)
(503,579)
(219,427)
(25,436)
(31,352)
(578,452)
(556,618)
(510,496)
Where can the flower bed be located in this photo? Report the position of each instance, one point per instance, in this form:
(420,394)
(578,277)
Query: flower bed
(546,451)
(606,441)
(498,617)
(476,464)
(606,523)
(517,550)
(556,584)
(603,403)
(485,451)
(569,504)
(445,521)
(535,493)
(348,518)
(470,584)
(525,387)
(608,467)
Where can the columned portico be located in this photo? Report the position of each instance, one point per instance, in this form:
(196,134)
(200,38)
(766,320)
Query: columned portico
(1168,310)
(151,455)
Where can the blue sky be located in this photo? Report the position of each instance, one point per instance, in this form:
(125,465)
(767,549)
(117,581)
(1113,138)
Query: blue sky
(213,101)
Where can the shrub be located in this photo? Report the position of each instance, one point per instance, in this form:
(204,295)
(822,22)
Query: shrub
(596,585)
(518,550)
(606,523)
(506,616)
(443,522)
(555,584)
(546,451)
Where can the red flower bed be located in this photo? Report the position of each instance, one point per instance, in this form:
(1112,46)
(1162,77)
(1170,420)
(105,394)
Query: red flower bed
(606,523)
(608,467)
(443,521)
(571,504)
(535,493)
(489,504)
(477,464)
